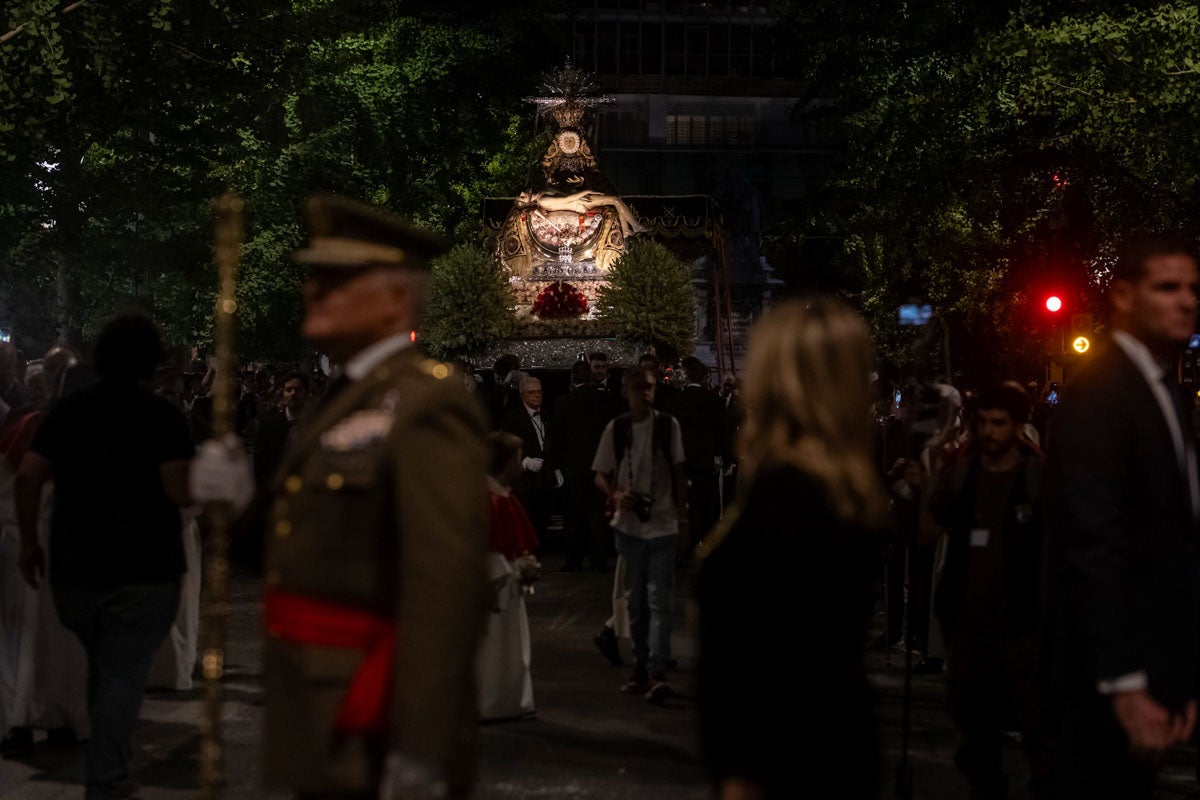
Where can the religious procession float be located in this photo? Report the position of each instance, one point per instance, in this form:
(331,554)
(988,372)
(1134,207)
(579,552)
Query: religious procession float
(589,270)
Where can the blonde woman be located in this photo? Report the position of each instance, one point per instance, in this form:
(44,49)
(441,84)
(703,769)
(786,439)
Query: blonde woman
(783,704)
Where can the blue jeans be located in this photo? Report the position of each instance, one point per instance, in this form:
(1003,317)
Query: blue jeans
(121,628)
(650,572)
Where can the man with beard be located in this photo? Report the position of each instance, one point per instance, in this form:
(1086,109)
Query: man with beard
(987,602)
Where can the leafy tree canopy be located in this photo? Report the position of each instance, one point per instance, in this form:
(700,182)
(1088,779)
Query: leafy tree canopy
(994,151)
(119,122)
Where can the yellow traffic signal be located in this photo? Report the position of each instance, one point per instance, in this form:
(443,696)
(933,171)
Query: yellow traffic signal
(1081,344)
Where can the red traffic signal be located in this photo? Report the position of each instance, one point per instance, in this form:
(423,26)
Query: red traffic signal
(1054,304)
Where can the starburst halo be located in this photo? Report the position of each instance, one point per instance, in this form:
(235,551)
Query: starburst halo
(567,92)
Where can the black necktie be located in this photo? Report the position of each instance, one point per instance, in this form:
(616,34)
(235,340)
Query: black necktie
(1186,432)
(1181,414)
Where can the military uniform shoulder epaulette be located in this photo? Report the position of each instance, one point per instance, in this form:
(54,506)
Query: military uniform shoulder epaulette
(439,370)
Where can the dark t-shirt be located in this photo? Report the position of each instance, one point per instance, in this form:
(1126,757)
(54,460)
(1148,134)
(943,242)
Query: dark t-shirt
(113,522)
(985,604)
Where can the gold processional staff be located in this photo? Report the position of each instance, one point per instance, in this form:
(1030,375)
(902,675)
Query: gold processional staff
(227,250)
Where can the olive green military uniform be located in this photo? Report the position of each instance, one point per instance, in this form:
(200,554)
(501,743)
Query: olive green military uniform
(380,504)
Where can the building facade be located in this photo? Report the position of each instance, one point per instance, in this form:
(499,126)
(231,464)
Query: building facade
(700,99)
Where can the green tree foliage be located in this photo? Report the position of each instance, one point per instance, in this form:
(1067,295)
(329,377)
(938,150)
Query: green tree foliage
(120,121)
(470,303)
(996,150)
(649,298)
(112,120)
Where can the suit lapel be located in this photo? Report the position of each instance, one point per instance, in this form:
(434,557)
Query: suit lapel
(527,421)
(1166,442)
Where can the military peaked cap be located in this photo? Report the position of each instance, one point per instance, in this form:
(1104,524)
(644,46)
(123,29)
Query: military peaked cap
(347,234)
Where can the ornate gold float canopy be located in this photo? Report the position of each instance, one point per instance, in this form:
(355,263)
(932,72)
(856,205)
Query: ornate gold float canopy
(573,225)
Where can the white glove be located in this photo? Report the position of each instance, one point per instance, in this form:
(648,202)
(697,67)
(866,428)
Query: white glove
(221,472)
(532,464)
(558,479)
(528,569)
(407,778)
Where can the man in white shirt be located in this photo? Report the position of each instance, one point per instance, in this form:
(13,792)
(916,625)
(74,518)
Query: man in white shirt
(1122,502)
(639,467)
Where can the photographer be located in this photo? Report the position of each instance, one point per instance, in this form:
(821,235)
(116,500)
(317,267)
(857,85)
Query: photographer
(639,467)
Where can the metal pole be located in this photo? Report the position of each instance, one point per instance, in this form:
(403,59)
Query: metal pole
(227,251)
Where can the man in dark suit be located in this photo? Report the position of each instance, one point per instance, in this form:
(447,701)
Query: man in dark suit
(497,391)
(277,424)
(1122,499)
(579,421)
(702,416)
(538,476)
(601,378)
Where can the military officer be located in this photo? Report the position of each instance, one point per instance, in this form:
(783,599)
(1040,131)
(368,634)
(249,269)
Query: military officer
(375,577)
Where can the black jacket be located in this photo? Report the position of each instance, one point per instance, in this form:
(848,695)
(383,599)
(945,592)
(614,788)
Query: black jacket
(518,421)
(1122,566)
(579,421)
(703,422)
(788,561)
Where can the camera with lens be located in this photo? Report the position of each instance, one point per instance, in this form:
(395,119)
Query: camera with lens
(642,503)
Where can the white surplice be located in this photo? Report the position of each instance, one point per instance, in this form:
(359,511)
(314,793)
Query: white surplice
(43,667)
(504,682)
(175,661)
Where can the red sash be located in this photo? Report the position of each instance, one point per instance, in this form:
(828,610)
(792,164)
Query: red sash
(305,620)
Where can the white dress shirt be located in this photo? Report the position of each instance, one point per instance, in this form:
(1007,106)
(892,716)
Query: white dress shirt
(1154,373)
(539,425)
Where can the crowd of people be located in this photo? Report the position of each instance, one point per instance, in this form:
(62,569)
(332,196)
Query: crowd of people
(399,511)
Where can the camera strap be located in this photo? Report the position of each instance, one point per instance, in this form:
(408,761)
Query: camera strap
(625,426)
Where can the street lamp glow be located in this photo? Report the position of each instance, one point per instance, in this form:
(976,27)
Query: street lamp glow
(1054,304)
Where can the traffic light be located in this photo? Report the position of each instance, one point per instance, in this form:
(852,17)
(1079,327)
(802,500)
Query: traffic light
(1081,333)
(1054,304)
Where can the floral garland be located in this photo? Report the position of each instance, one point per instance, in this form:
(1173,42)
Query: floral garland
(533,328)
(560,300)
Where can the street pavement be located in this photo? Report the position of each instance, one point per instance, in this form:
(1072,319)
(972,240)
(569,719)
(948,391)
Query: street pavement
(588,740)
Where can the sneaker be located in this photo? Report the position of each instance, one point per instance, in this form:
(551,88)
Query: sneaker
(609,646)
(638,682)
(62,737)
(660,690)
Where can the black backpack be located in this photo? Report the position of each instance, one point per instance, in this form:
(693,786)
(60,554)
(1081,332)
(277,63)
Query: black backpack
(623,435)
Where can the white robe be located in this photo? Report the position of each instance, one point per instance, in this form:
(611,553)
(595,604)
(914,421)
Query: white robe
(43,667)
(619,621)
(504,682)
(176,658)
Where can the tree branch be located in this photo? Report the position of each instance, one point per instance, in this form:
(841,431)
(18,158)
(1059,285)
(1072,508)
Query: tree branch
(21,27)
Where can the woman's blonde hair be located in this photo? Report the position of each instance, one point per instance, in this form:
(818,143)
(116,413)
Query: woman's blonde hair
(807,388)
